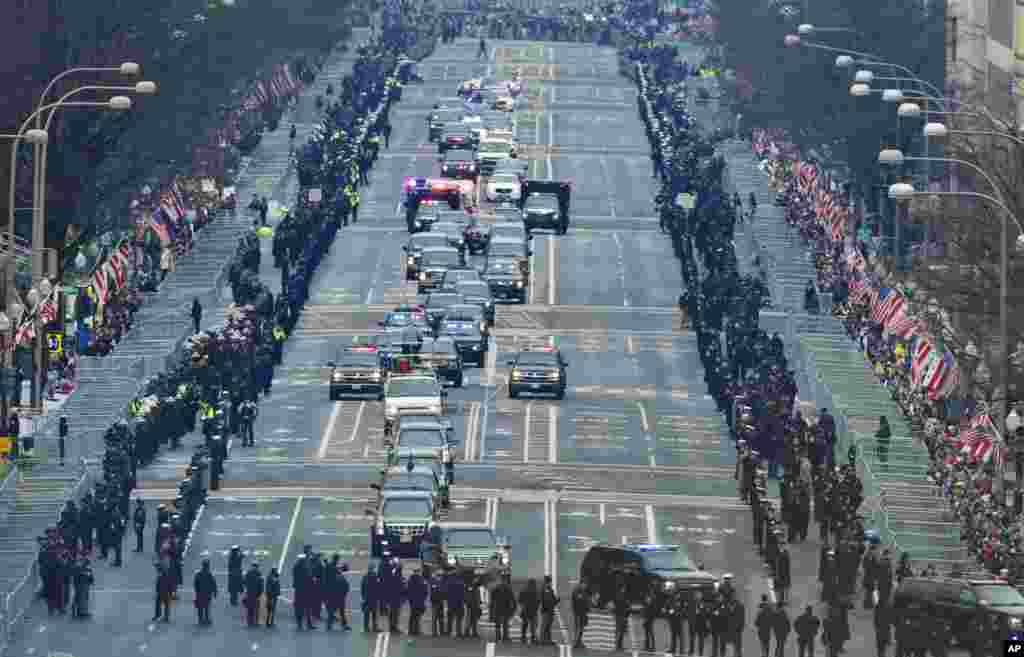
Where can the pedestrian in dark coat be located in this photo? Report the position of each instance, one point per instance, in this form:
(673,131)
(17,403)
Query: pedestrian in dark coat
(370,590)
(455,592)
(83,582)
(783,576)
(302,581)
(621,608)
(437,601)
(253,591)
(197,315)
(139,523)
(272,588)
(883,629)
(580,612)
(473,604)
(236,582)
(763,622)
(806,627)
(698,621)
(417,591)
(503,607)
(781,628)
(529,603)
(205,586)
(548,605)
(650,615)
(166,583)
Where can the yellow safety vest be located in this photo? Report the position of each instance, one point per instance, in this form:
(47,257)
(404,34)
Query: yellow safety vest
(279,333)
(355,198)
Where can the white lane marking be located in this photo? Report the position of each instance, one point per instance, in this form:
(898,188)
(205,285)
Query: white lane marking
(470,453)
(553,90)
(325,439)
(645,425)
(552,434)
(291,534)
(355,425)
(489,650)
(602,510)
(526,431)
(378,644)
(494,512)
(533,278)
(630,345)
(622,268)
(553,545)
(652,530)
(652,461)
(491,364)
(551,271)
(548,521)
(551,144)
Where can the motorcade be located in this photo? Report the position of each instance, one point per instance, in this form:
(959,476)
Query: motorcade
(458,163)
(490,151)
(442,355)
(962,604)
(467,330)
(538,372)
(403,316)
(437,304)
(455,135)
(478,294)
(416,391)
(516,249)
(356,372)
(453,232)
(506,279)
(503,187)
(476,236)
(414,251)
(475,553)
(545,204)
(453,277)
(434,262)
(402,523)
(647,570)
(415,475)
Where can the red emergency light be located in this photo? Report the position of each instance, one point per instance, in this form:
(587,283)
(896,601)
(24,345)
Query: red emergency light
(363,349)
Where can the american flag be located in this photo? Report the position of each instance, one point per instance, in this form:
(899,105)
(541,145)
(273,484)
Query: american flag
(99,285)
(888,300)
(902,326)
(894,305)
(976,442)
(937,373)
(160,228)
(922,353)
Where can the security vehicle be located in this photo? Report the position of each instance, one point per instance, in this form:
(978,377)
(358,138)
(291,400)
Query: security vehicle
(440,118)
(961,603)
(504,247)
(417,391)
(403,316)
(545,204)
(478,294)
(425,442)
(473,552)
(416,415)
(503,187)
(402,523)
(412,476)
(467,330)
(356,372)
(490,151)
(458,163)
(505,278)
(453,277)
(414,251)
(443,357)
(476,236)
(453,231)
(437,305)
(456,135)
(538,372)
(434,262)
(645,569)
(418,192)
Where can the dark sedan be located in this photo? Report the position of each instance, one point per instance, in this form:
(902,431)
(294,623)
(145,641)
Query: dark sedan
(478,294)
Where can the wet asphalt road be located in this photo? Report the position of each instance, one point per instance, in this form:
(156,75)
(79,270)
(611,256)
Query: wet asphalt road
(635,452)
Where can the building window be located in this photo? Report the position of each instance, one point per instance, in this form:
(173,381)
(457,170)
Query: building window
(951,31)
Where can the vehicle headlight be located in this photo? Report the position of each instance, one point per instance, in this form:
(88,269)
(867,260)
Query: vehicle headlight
(476,347)
(515,375)
(488,303)
(423,276)
(519,283)
(451,560)
(434,409)
(553,376)
(418,223)
(380,530)
(1016,622)
(503,559)
(669,585)
(375,376)
(336,376)
(411,260)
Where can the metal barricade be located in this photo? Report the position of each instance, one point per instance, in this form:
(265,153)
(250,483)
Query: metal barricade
(8,494)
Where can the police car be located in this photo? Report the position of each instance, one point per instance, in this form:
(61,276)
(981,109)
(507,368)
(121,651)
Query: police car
(646,569)
(538,372)
(414,251)
(465,325)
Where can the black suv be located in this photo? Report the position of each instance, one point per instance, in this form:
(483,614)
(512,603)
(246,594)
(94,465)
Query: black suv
(963,604)
(456,135)
(644,569)
(441,118)
(356,372)
(465,328)
(541,211)
(458,163)
(538,372)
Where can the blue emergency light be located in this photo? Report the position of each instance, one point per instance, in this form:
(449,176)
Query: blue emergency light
(653,547)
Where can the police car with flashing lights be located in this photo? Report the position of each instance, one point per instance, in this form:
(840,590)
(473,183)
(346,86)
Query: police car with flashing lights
(403,316)
(645,569)
(467,329)
(538,372)
(357,371)
(472,552)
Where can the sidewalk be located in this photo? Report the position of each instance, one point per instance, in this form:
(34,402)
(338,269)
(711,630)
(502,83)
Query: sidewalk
(107,384)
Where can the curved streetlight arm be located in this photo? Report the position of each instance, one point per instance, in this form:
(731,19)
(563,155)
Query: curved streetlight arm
(92,87)
(14,151)
(72,71)
(982,133)
(975,167)
(986,197)
(842,51)
(913,76)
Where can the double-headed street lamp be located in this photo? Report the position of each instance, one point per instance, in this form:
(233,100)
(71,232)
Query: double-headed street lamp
(906,192)
(807,29)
